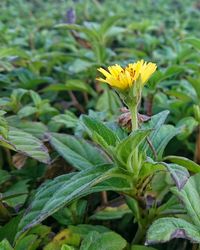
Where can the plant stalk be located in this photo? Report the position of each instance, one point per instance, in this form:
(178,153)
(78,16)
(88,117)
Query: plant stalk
(139,236)
(134,122)
(134,117)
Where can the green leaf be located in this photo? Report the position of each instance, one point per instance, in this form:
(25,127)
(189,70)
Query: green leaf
(40,230)
(171,206)
(59,192)
(99,132)
(5,245)
(108,102)
(75,84)
(9,230)
(165,229)
(134,206)
(37,129)
(187,126)
(46,109)
(28,242)
(160,76)
(78,152)
(179,174)
(16,96)
(154,124)
(185,162)
(55,87)
(3,127)
(16,190)
(116,183)
(195,84)
(173,70)
(104,241)
(36,235)
(195,42)
(72,85)
(27,111)
(190,196)
(4,176)
(140,247)
(67,247)
(8,52)
(161,184)
(80,65)
(108,23)
(74,214)
(111,213)
(179,95)
(64,237)
(69,120)
(161,139)
(150,167)
(84,229)
(36,98)
(126,147)
(26,144)
(91,33)
(2,112)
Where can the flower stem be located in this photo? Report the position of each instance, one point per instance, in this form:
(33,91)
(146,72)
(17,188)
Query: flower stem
(134,118)
(134,122)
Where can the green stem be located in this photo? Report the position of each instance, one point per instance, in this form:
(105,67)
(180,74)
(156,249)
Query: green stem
(134,122)
(134,118)
(139,236)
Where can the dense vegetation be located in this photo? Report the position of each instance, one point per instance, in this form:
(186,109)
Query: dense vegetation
(85,165)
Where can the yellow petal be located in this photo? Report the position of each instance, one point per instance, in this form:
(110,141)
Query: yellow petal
(104,72)
(147,72)
(101,80)
(115,70)
(114,82)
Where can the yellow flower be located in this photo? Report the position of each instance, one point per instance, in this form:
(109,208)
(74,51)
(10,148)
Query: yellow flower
(124,78)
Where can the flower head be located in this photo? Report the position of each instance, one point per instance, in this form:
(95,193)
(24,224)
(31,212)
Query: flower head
(124,78)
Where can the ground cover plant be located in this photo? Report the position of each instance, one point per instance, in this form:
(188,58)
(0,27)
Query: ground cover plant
(99,125)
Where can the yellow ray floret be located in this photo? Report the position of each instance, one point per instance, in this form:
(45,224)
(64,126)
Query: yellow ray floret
(124,78)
